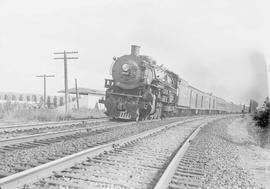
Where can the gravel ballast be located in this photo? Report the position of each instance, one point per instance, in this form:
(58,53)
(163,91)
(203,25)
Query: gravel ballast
(19,160)
(5,134)
(135,165)
(223,143)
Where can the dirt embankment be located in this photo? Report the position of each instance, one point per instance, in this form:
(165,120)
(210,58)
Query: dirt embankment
(252,157)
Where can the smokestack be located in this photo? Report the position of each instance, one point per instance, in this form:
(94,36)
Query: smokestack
(135,50)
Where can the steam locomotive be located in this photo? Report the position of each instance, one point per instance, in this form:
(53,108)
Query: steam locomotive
(141,89)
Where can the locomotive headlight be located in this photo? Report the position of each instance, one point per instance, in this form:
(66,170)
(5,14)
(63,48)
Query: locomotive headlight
(125,67)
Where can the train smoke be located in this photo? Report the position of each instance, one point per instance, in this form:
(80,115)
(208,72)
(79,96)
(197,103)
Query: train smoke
(259,87)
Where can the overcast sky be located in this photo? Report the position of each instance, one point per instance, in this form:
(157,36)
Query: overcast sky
(209,43)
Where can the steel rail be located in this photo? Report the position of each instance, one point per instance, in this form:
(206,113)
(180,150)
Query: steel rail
(34,174)
(48,124)
(55,134)
(167,175)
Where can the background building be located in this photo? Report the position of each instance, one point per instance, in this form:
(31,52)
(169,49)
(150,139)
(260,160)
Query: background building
(88,98)
(13,100)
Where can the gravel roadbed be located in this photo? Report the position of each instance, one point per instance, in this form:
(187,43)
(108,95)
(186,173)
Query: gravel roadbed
(221,158)
(19,160)
(50,128)
(134,165)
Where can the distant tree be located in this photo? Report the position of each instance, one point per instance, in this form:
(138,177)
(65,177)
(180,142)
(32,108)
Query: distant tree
(55,101)
(61,103)
(266,103)
(96,106)
(34,98)
(6,97)
(48,101)
(13,97)
(40,102)
(41,99)
(28,98)
(7,106)
(21,98)
(262,115)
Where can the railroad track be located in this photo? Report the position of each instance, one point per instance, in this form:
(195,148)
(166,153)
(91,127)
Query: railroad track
(9,132)
(28,141)
(27,126)
(17,123)
(52,137)
(11,123)
(133,162)
(23,155)
(186,169)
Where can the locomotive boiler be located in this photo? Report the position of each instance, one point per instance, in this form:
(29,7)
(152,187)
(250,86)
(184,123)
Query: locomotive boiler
(142,89)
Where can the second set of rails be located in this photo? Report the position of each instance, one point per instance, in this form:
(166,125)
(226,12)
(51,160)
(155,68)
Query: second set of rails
(63,142)
(149,153)
(16,126)
(20,134)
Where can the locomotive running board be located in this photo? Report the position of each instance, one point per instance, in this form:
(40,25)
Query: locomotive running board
(123,94)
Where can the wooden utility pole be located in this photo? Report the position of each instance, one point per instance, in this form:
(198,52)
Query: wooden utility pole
(65,58)
(77,95)
(44,78)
